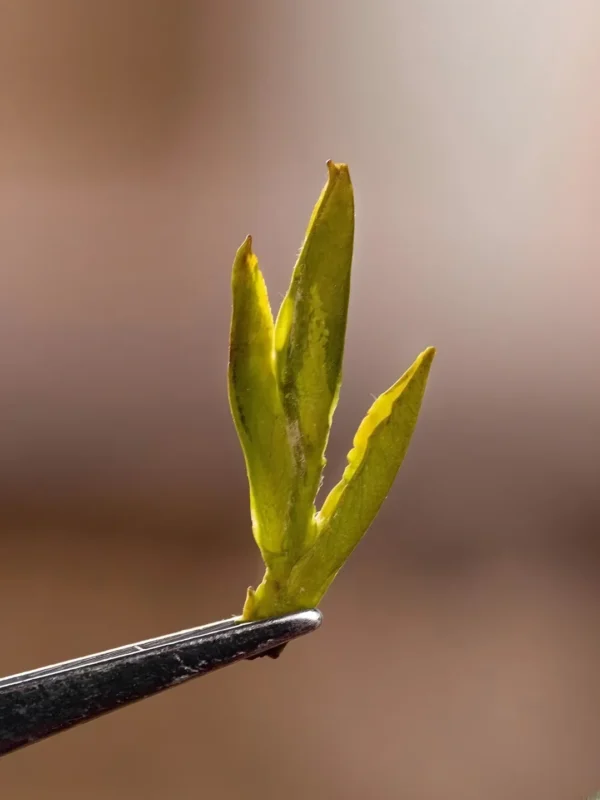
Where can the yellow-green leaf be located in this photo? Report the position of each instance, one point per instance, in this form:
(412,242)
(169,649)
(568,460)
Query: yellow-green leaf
(256,406)
(309,340)
(379,448)
(284,381)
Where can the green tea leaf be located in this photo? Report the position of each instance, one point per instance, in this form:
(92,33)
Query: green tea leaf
(284,382)
(379,448)
(309,340)
(256,406)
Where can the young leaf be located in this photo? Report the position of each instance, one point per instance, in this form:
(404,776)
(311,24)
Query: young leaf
(284,382)
(379,448)
(256,406)
(309,339)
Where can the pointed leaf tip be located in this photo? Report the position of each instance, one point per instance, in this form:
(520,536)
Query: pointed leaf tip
(244,251)
(336,167)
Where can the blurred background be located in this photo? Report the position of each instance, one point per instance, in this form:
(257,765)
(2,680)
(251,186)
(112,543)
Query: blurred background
(140,141)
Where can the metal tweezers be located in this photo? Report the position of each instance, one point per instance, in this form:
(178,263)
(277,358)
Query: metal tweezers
(37,704)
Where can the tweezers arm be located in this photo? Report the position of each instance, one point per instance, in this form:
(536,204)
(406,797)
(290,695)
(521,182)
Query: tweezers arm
(37,704)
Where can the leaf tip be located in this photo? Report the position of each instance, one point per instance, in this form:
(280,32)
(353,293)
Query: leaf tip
(428,354)
(249,605)
(422,363)
(245,261)
(245,249)
(337,169)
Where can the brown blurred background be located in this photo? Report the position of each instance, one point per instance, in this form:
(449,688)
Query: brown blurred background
(139,142)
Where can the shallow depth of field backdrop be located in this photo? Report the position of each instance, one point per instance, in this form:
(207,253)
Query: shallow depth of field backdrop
(139,143)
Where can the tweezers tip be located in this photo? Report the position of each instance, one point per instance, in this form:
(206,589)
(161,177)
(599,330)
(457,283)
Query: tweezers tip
(301,622)
(294,625)
(310,619)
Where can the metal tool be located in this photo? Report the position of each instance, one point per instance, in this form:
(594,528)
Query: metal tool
(37,704)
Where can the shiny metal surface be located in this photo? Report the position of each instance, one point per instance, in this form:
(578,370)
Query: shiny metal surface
(42,702)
